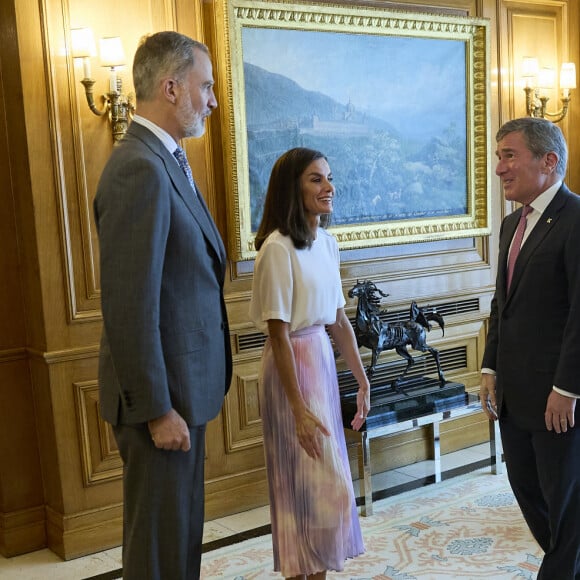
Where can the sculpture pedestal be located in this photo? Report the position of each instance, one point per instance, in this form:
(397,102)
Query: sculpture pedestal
(418,396)
(470,405)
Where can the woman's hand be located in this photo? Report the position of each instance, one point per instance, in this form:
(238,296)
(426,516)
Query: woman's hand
(363,406)
(344,338)
(309,429)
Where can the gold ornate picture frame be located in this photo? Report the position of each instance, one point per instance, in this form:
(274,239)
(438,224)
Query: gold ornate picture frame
(398,102)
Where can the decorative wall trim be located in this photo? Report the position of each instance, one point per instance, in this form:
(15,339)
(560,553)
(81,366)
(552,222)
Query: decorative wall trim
(243,424)
(99,454)
(12,354)
(65,355)
(71,536)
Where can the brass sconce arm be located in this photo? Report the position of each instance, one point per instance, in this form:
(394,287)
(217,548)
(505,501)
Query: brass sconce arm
(88,84)
(558,115)
(119,107)
(536,105)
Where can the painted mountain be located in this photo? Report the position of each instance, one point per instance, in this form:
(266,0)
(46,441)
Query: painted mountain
(379,174)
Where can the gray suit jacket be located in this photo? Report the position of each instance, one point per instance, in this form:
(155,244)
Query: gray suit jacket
(533,340)
(165,338)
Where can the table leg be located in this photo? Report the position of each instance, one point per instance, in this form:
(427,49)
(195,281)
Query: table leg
(495,448)
(364,469)
(436,450)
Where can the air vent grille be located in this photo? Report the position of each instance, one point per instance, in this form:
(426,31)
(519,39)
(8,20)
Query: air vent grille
(256,340)
(451,359)
(250,341)
(445,309)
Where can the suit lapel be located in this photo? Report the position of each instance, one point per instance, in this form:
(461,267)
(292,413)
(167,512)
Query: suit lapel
(193,200)
(196,205)
(218,239)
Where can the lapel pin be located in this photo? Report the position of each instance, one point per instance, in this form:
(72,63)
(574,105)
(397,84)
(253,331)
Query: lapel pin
(549,221)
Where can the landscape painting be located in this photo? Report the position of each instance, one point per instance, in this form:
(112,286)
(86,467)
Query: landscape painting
(393,113)
(388,112)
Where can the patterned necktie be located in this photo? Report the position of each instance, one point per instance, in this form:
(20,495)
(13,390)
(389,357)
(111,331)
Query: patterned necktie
(179,154)
(517,243)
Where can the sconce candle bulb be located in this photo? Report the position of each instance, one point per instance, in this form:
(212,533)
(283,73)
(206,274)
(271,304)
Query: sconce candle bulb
(87,67)
(567,77)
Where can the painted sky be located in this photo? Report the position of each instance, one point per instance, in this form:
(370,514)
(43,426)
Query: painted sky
(415,84)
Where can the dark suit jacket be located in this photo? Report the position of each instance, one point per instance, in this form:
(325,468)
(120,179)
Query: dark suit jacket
(533,340)
(165,339)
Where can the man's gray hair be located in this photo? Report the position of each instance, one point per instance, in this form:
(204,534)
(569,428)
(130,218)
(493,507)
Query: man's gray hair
(163,54)
(541,137)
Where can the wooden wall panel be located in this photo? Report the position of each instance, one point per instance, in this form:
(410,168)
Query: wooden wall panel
(83,141)
(99,452)
(21,493)
(549,31)
(80,465)
(533,29)
(241,411)
(573,136)
(12,328)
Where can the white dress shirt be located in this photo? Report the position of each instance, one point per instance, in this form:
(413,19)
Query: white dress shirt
(165,138)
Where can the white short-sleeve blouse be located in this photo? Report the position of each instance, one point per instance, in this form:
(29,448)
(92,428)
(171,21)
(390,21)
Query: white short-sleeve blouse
(301,287)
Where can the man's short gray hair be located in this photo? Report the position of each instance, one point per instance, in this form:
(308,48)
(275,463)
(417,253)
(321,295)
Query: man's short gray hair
(163,54)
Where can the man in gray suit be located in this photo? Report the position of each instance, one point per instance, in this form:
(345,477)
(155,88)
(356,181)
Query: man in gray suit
(165,361)
(531,364)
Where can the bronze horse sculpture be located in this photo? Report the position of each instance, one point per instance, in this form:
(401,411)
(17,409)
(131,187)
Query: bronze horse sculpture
(377,335)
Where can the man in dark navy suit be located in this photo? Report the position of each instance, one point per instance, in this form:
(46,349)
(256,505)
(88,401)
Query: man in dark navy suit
(531,365)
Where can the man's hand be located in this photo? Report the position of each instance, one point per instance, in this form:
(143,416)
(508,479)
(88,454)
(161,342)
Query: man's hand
(559,413)
(170,432)
(487,396)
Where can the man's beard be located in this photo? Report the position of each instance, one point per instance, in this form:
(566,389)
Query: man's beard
(192,122)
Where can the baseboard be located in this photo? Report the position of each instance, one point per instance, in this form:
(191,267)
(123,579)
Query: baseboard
(22,531)
(80,534)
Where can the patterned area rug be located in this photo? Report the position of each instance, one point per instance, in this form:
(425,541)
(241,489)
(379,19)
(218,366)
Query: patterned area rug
(467,527)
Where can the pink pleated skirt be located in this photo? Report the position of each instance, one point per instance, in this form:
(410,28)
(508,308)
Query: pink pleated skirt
(315,524)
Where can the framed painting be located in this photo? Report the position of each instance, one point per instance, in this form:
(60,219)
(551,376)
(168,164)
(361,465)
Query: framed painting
(397,102)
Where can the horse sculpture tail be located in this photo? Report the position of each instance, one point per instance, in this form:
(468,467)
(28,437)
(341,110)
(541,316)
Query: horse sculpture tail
(417,314)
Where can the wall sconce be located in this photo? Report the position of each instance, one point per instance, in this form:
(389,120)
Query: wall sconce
(120,108)
(537,80)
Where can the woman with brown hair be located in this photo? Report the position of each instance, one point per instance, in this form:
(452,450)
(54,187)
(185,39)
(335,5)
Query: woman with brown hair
(297,297)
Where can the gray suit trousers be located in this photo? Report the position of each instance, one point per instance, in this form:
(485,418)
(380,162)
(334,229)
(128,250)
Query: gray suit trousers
(164,506)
